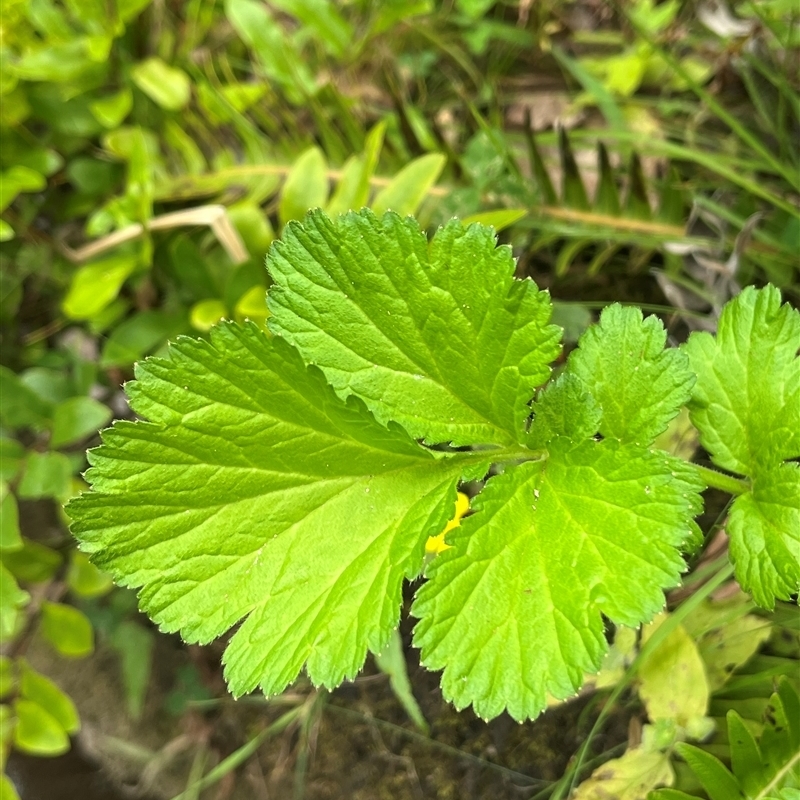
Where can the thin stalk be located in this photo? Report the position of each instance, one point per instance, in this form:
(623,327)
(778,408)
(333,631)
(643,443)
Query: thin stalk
(241,755)
(779,776)
(719,480)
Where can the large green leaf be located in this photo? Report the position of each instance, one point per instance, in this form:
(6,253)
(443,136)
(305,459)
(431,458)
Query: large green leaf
(512,612)
(437,336)
(254,495)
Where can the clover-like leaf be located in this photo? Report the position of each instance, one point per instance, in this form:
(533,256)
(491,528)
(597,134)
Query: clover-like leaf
(746,402)
(638,384)
(512,612)
(254,495)
(437,336)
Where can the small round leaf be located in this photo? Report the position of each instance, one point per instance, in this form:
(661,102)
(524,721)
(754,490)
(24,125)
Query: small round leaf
(44,692)
(37,731)
(67,629)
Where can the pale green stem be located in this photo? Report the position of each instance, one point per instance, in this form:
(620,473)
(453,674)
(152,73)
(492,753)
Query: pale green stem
(779,776)
(719,480)
(241,755)
(502,454)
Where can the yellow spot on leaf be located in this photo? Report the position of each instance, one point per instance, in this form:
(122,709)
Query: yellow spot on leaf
(436,544)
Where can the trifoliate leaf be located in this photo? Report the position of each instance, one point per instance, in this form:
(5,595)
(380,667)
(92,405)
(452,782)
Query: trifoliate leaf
(638,384)
(764,530)
(437,336)
(255,495)
(512,611)
(746,402)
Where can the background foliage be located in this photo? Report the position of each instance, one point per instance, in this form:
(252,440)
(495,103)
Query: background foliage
(151,151)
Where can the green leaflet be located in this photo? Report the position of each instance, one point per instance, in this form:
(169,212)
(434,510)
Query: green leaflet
(512,612)
(253,494)
(563,408)
(764,527)
(746,402)
(639,385)
(746,406)
(437,336)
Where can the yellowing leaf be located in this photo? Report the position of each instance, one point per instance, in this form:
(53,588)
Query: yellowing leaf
(673,677)
(631,777)
(728,647)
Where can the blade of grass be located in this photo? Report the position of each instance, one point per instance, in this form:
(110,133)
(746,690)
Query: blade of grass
(605,100)
(637,204)
(573,191)
(540,173)
(606,199)
(715,163)
(238,757)
(494,135)
(715,107)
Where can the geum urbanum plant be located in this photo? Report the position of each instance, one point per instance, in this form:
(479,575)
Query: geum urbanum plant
(287,483)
